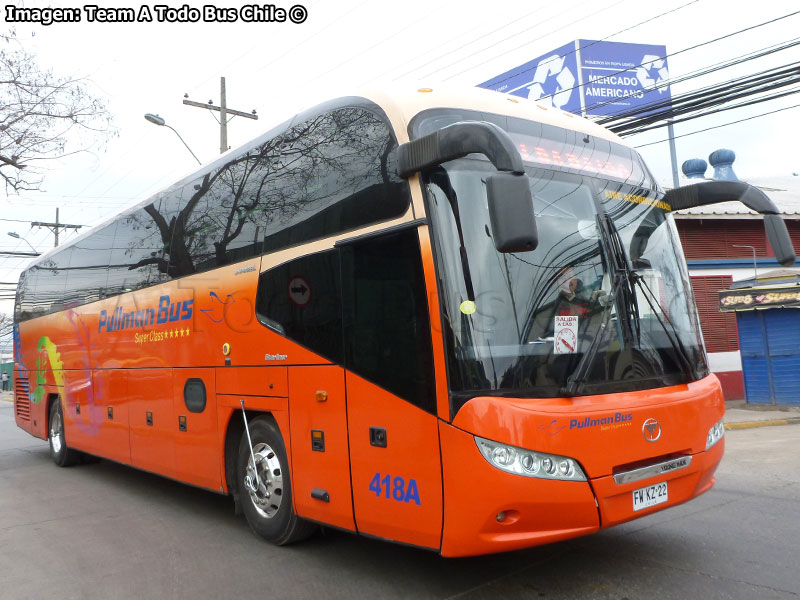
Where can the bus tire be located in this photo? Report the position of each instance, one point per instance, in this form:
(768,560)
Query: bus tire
(62,455)
(267,502)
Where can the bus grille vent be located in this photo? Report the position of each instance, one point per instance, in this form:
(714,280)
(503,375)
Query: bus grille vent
(22,402)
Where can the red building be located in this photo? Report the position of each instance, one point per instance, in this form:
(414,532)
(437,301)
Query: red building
(724,243)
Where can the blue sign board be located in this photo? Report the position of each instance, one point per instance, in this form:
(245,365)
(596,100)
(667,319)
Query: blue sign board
(591,77)
(618,77)
(551,78)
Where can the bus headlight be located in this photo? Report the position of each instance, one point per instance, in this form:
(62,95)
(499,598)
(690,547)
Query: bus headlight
(715,434)
(528,463)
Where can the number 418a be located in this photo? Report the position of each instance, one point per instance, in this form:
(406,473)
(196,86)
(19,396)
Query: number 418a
(395,489)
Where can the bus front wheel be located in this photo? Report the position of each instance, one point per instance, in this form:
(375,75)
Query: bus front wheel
(264,485)
(61,454)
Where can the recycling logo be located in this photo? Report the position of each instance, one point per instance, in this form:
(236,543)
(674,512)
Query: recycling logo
(553,82)
(652,72)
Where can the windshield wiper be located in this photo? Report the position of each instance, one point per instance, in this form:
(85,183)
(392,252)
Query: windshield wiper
(621,295)
(627,304)
(677,344)
(576,380)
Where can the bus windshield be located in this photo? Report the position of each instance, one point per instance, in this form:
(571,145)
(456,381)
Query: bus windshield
(602,305)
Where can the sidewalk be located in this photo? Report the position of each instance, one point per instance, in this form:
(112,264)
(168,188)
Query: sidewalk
(740,415)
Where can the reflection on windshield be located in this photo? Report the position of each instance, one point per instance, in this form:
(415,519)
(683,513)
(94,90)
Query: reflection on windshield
(521,323)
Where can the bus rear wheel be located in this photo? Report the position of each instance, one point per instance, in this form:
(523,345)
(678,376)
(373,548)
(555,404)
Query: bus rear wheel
(265,488)
(61,454)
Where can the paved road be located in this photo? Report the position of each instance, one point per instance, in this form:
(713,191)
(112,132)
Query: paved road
(105,531)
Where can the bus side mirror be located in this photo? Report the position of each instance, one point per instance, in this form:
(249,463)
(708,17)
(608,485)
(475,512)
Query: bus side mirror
(779,239)
(511,212)
(509,194)
(711,192)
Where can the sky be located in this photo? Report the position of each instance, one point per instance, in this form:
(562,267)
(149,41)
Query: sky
(279,69)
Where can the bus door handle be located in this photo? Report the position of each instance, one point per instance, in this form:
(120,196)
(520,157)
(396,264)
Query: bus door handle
(377,437)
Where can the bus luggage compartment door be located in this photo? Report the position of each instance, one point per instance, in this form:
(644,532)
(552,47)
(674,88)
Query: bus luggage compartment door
(194,426)
(150,419)
(320,456)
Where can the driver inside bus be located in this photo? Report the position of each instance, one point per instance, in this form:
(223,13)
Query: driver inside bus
(570,300)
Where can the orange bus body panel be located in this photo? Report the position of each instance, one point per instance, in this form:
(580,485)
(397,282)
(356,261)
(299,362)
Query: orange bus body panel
(439,365)
(536,511)
(615,499)
(253,381)
(81,418)
(113,439)
(151,420)
(323,467)
(397,489)
(197,459)
(589,429)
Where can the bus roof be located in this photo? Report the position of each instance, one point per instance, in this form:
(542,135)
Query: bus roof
(401,104)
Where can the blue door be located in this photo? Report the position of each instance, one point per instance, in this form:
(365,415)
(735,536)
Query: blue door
(770,347)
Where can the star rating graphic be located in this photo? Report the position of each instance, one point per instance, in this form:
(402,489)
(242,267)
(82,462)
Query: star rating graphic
(174,333)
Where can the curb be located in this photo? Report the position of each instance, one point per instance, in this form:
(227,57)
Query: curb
(752,424)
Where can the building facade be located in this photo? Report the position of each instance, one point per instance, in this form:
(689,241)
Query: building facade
(725,243)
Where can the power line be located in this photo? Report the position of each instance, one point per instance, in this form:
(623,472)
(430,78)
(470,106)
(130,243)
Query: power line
(523,31)
(462,46)
(705,100)
(702,71)
(597,42)
(719,126)
(125,176)
(570,24)
(700,45)
(715,110)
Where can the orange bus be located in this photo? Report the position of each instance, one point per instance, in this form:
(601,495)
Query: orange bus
(448,319)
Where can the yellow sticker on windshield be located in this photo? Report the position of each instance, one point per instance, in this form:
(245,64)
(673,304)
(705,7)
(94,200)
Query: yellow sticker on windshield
(468,307)
(636,199)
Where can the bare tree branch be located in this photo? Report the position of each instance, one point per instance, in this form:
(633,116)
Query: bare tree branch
(42,117)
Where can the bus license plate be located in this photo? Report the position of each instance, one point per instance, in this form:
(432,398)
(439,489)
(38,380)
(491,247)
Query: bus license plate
(649,496)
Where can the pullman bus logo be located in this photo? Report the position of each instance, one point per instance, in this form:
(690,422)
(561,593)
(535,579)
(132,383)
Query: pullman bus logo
(651,430)
(167,312)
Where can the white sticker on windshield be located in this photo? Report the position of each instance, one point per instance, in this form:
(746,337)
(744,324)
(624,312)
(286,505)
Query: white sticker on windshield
(565,335)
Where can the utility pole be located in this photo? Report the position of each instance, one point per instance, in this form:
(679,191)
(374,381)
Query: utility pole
(673,154)
(54,227)
(224,111)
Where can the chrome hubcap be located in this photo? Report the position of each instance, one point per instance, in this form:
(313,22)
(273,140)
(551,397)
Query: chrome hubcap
(56,428)
(266,492)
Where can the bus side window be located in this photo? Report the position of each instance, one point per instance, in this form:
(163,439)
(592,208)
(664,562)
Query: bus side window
(387,330)
(136,255)
(48,286)
(26,295)
(333,175)
(89,263)
(301,300)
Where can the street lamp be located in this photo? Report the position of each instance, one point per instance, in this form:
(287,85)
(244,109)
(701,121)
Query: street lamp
(755,268)
(156,120)
(19,237)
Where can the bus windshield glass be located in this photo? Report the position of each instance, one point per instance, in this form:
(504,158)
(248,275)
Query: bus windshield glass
(602,305)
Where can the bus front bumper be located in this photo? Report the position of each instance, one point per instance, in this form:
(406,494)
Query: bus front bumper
(487,510)
(617,502)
